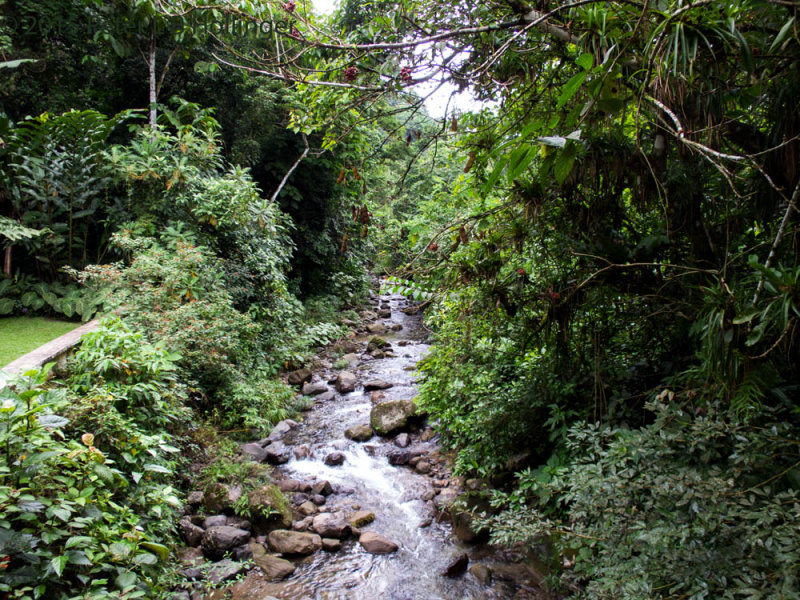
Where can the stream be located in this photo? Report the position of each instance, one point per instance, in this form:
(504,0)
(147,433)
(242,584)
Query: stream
(366,481)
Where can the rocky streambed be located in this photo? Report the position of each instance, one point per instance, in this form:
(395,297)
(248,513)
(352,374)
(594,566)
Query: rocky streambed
(363,495)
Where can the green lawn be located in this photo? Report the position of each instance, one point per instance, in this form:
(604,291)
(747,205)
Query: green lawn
(20,335)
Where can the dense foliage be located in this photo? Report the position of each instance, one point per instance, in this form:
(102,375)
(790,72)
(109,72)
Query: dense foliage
(606,249)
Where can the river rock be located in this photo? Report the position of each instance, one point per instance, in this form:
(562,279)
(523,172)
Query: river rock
(269,500)
(334,459)
(377,343)
(215,521)
(325,397)
(191,534)
(358,433)
(391,415)
(219,540)
(281,429)
(254,451)
(240,522)
(274,568)
(298,498)
(397,327)
(293,485)
(312,389)
(224,570)
(457,567)
(293,542)
(377,354)
(368,315)
(220,497)
(307,508)
(375,543)
(331,545)
(299,376)
(402,440)
(323,487)
(331,525)
(482,573)
(423,467)
(427,434)
(376,384)
(277,453)
(361,518)
(318,499)
(195,498)
(398,457)
(445,498)
(376,328)
(302,524)
(346,382)
(302,451)
(385,313)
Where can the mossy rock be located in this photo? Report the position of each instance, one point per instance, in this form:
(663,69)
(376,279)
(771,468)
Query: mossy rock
(391,416)
(376,343)
(269,508)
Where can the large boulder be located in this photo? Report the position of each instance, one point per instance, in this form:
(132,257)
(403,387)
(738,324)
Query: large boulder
(375,543)
(293,542)
(331,525)
(274,568)
(221,539)
(359,433)
(346,382)
(299,376)
(270,507)
(391,415)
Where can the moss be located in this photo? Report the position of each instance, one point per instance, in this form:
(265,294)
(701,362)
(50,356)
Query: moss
(269,508)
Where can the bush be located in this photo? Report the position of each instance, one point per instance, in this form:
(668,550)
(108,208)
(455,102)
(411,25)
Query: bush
(67,521)
(696,505)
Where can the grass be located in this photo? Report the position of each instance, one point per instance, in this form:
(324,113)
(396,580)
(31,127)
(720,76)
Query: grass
(20,335)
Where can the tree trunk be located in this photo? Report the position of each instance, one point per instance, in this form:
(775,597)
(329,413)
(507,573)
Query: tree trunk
(7,262)
(151,67)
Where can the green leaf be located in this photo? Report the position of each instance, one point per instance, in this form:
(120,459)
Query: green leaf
(78,540)
(569,90)
(13,64)
(519,161)
(563,165)
(125,580)
(782,34)
(161,551)
(57,564)
(585,61)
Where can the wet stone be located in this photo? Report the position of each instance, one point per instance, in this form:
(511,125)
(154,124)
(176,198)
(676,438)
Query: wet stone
(325,396)
(298,498)
(312,389)
(215,521)
(293,485)
(190,533)
(302,451)
(299,376)
(398,457)
(375,543)
(254,451)
(423,467)
(318,499)
(194,498)
(481,573)
(359,433)
(307,508)
(457,567)
(402,440)
(293,542)
(323,487)
(361,518)
(242,552)
(334,459)
(331,545)
(277,453)
(376,384)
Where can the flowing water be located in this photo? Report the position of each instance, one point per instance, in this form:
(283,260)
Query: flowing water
(367,481)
